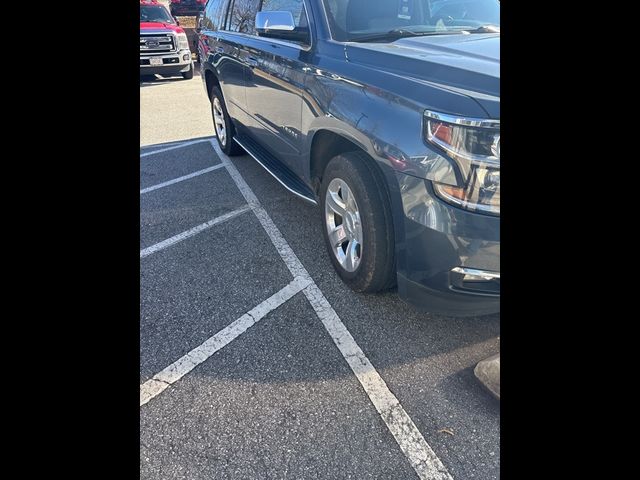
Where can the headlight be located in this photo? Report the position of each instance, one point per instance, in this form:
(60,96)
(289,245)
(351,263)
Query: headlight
(474,145)
(183,43)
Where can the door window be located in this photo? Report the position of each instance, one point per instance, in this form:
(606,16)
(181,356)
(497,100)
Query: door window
(242,17)
(213,15)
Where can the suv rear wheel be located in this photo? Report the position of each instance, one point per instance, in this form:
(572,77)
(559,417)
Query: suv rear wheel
(357,224)
(225,130)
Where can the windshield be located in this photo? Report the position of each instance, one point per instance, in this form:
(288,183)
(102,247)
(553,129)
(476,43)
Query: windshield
(155,13)
(351,19)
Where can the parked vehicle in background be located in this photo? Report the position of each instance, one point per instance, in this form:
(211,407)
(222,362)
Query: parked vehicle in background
(186,8)
(197,38)
(385,116)
(164,48)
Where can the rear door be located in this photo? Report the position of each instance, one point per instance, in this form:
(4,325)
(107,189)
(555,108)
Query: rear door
(240,25)
(274,86)
(212,20)
(223,47)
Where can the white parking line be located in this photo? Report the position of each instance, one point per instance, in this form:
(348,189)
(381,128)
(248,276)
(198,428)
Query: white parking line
(174,372)
(183,144)
(421,456)
(191,232)
(181,179)
(290,259)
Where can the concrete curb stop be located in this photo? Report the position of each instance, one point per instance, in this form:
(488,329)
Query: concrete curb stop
(488,372)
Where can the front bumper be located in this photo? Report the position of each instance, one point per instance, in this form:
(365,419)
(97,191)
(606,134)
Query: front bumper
(448,258)
(172,63)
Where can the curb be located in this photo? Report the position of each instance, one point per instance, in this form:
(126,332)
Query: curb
(488,372)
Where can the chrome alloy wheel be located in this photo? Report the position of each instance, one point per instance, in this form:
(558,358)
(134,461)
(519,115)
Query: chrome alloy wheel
(342,217)
(218,119)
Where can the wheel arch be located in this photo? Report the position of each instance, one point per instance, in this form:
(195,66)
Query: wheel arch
(211,80)
(326,143)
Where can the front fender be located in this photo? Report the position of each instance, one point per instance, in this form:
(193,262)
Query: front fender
(388,126)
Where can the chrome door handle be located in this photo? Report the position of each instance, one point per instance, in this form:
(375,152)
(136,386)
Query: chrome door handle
(252,62)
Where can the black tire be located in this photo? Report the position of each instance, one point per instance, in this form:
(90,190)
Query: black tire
(188,75)
(376,270)
(230,147)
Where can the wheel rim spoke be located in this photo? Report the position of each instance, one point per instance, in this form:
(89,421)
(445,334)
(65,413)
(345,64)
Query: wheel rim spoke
(336,204)
(351,258)
(218,120)
(345,193)
(358,230)
(337,236)
(343,224)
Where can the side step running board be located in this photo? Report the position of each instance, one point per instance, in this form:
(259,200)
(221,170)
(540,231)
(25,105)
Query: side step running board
(279,171)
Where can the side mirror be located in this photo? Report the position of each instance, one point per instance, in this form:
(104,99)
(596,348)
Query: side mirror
(176,20)
(280,25)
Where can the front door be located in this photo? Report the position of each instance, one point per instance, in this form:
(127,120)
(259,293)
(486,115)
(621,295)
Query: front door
(274,86)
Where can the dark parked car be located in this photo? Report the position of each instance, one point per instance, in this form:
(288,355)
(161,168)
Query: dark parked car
(384,113)
(187,8)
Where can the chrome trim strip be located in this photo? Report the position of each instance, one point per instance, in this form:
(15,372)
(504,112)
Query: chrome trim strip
(464,121)
(484,274)
(310,200)
(277,41)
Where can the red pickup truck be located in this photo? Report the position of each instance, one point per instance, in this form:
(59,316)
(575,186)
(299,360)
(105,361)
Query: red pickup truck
(164,47)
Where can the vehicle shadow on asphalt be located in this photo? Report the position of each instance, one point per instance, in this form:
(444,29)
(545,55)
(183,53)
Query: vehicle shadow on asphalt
(155,80)
(154,146)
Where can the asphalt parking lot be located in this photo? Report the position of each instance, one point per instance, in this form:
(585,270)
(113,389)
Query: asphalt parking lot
(256,361)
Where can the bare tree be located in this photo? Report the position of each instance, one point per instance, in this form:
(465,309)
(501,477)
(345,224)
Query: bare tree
(244,13)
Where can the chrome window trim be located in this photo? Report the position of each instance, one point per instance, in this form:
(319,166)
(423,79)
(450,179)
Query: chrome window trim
(277,40)
(270,40)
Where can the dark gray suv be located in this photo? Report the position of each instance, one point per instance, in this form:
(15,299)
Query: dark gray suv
(384,113)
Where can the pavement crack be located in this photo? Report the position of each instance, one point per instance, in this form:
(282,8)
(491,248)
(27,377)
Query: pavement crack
(161,381)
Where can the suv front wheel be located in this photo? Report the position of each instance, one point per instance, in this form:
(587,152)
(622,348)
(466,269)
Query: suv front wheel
(357,223)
